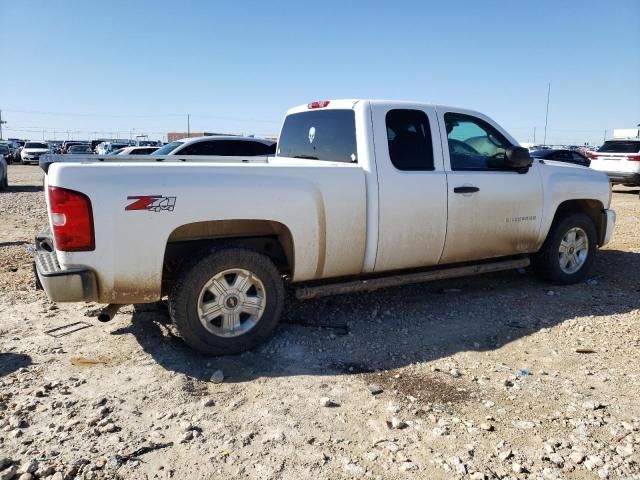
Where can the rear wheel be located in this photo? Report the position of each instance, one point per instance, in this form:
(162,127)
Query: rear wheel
(568,251)
(228,302)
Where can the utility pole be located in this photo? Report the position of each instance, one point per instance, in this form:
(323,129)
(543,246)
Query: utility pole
(2,122)
(534,135)
(546,118)
(188,127)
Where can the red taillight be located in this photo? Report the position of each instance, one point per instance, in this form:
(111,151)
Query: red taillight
(321,104)
(634,158)
(72,220)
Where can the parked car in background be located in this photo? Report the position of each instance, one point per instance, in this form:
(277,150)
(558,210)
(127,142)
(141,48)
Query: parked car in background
(4,173)
(55,146)
(80,148)
(6,153)
(17,152)
(64,149)
(220,145)
(32,151)
(620,160)
(106,148)
(568,156)
(135,151)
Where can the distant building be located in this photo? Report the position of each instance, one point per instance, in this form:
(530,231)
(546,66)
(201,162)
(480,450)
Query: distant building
(173,136)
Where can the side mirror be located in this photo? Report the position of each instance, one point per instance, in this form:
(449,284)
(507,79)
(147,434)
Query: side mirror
(517,158)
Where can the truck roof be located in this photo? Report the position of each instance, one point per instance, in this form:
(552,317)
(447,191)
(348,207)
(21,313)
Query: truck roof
(350,103)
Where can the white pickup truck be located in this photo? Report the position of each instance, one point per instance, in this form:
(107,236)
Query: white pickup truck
(361,194)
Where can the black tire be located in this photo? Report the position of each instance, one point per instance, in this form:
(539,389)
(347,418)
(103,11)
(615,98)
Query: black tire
(546,263)
(185,295)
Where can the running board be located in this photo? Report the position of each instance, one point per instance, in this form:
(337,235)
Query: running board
(307,293)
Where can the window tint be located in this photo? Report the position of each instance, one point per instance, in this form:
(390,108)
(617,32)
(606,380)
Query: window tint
(409,140)
(473,143)
(559,155)
(319,135)
(577,157)
(241,148)
(227,148)
(35,145)
(264,149)
(214,147)
(620,146)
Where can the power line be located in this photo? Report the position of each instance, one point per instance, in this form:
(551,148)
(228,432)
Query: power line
(157,115)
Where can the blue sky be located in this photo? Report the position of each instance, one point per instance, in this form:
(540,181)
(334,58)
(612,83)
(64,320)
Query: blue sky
(134,66)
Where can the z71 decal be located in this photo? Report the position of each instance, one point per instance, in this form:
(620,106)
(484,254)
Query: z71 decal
(152,203)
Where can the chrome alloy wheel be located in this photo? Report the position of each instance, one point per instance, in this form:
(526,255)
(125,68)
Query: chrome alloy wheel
(573,250)
(231,303)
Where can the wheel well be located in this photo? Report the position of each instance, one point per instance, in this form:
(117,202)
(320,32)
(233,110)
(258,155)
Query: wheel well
(270,238)
(592,208)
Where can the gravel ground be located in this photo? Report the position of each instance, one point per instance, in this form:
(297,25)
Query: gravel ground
(490,377)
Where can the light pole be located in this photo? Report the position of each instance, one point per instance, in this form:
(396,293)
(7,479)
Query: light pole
(2,122)
(546,118)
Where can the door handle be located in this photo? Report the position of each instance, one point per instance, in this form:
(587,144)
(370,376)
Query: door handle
(466,189)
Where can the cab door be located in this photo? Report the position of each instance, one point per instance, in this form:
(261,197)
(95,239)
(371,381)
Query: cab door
(412,186)
(493,211)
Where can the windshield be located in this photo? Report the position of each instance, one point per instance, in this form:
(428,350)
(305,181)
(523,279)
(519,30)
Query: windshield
(621,146)
(168,148)
(4,148)
(36,145)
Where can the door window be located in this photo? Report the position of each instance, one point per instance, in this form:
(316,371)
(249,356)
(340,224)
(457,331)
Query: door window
(474,144)
(409,139)
(559,156)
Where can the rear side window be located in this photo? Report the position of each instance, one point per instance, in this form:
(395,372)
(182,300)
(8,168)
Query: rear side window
(620,146)
(409,140)
(264,149)
(319,135)
(211,147)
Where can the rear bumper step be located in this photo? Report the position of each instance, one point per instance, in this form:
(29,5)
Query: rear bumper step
(70,285)
(307,293)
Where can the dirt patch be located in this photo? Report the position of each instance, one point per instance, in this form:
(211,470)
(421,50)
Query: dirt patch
(422,387)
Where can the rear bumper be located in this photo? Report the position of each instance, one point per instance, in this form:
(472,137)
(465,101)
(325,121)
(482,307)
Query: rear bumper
(69,285)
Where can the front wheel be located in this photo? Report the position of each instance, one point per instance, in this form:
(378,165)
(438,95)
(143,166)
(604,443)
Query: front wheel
(568,252)
(228,302)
